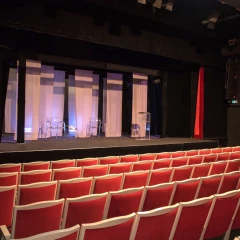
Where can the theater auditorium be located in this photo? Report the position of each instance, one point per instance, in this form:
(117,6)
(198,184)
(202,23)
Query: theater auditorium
(120,120)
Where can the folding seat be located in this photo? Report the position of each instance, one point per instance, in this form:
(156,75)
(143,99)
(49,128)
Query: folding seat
(204,151)
(218,167)
(216,150)
(35,176)
(209,185)
(180,161)
(210,158)
(143,165)
(178,154)
(163,155)
(10,167)
(221,215)
(109,160)
(8,179)
(192,153)
(159,176)
(235,226)
(7,202)
(236,149)
(123,202)
(227,149)
(229,182)
(195,160)
(162,163)
(154,225)
(158,196)
(35,166)
(74,188)
(45,215)
(87,209)
(186,190)
(86,162)
(94,171)
(201,170)
(129,158)
(191,218)
(63,234)
(36,192)
(234,155)
(147,156)
(233,165)
(66,173)
(223,156)
(118,228)
(120,168)
(63,163)
(111,182)
(135,179)
(182,173)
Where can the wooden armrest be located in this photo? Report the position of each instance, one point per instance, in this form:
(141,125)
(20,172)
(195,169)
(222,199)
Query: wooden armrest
(4,233)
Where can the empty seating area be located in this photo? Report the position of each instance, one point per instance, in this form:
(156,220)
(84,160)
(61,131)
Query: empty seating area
(80,199)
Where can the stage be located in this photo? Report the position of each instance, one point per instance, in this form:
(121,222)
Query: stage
(69,147)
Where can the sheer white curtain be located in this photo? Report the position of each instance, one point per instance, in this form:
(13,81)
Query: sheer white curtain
(58,98)
(83,83)
(71,103)
(95,96)
(11,102)
(46,98)
(139,103)
(114,105)
(33,75)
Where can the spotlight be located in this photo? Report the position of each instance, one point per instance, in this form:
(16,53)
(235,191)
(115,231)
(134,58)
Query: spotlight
(169,5)
(142,1)
(156,3)
(212,19)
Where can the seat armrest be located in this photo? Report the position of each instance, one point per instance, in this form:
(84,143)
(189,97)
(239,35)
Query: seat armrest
(4,233)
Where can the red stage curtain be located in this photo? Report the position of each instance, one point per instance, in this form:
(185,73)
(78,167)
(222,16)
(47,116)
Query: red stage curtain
(199,117)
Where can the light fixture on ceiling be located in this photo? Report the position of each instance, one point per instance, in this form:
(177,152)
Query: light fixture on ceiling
(142,1)
(169,5)
(212,19)
(156,3)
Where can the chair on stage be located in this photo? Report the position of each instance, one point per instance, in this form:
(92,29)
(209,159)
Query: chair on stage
(65,163)
(54,125)
(145,226)
(66,173)
(135,179)
(159,176)
(86,162)
(123,202)
(36,192)
(94,171)
(157,196)
(143,165)
(74,188)
(8,179)
(86,209)
(109,160)
(120,168)
(111,182)
(35,166)
(35,176)
(118,228)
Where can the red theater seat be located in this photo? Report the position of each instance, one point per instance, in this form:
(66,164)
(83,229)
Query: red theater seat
(195,160)
(192,153)
(163,155)
(135,179)
(109,160)
(162,163)
(159,176)
(86,162)
(120,168)
(141,166)
(223,156)
(181,173)
(236,149)
(227,149)
(35,176)
(233,165)
(216,150)
(66,163)
(218,167)
(229,182)
(94,171)
(35,166)
(180,161)
(147,156)
(87,209)
(74,188)
(178,154)
(204,151)
(66,173)
(201,170)
(8,179)
(129,158)
(235,155)
(210,158)
(9,167)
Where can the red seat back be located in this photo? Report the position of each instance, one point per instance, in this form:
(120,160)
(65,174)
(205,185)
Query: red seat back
(160,176)
(201,170)
(8,179)
(35,166)
(129,158)
(181,161)
(162,163)
(94,171)
(86,162)
(62,164)
(182,173)
(66,173)
(163,155)
(135,179)
(178,154)
(210,158)
(109,160)
(141,166)
(120,168)
(149,156)
(218,167)
(235,155)
(223,156)
(230,182)
(195,160)
(35,176)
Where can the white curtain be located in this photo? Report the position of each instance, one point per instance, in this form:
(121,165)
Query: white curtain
(95,96)
(11,102)
(104,109)
(46,98)
(114,105)
(58,99)
(33,75)
(71,103)
(139,103)
(83,83)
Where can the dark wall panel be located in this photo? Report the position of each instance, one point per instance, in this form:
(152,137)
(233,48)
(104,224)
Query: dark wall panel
(179,104)
(233,128)
(215,110)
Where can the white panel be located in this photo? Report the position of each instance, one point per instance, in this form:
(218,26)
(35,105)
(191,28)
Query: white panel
(71,102)
(95,96)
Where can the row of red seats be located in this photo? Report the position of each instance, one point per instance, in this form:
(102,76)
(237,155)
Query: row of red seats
(204,218)
(186,171)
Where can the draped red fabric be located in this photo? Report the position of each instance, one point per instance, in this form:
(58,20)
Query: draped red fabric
(199,117)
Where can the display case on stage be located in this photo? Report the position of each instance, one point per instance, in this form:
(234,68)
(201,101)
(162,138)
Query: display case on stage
(144,119)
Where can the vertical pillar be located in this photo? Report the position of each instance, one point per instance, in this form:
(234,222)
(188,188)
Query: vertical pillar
(4,71)
(21,98)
